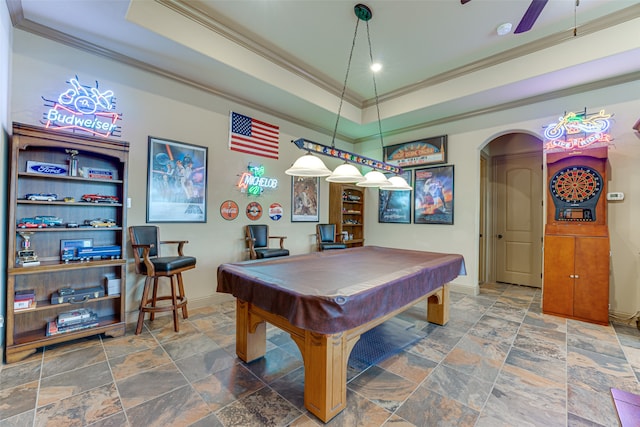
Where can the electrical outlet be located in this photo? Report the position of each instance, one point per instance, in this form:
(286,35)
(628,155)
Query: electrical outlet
(615,196)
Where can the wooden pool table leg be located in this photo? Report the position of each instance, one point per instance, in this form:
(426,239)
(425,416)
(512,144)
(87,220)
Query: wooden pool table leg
(438,306)
(325,372)
(251,333)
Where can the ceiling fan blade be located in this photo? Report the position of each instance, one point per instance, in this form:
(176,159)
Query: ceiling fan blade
(464,1)
(530,16)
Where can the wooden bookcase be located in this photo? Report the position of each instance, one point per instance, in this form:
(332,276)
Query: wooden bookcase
(346,210)
(26,329)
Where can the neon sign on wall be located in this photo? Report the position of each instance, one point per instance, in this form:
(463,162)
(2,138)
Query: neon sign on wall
(254,182)
(578,130)
(83,108)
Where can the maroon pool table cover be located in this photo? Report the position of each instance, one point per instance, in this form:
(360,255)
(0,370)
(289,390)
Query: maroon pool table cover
(334,291)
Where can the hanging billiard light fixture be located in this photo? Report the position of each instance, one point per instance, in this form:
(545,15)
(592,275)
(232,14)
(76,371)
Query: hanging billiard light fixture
(347,172)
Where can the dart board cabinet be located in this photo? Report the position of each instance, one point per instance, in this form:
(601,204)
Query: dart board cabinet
(576,243)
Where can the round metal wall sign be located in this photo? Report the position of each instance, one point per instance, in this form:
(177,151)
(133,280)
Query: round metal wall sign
(229,210)
(275,211)
(254,211)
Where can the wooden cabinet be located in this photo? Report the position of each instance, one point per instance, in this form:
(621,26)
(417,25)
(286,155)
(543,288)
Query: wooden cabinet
(576,271)
(346,210)
(576,242)
(102,170)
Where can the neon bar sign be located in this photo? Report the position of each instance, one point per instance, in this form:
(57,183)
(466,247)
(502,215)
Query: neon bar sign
(254,182)
(578,130)
(83,108)
(305,144)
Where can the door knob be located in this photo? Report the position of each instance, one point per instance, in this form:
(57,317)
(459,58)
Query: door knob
(499,236)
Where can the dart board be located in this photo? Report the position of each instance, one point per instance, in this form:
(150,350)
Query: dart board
(575,191)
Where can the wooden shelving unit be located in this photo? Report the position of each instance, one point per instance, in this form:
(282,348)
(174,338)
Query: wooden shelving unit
(26,329)
(346,210)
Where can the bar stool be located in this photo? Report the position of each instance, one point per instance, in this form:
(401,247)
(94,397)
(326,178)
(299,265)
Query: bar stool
(145,241)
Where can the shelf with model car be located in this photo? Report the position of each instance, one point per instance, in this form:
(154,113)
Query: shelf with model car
(52,212)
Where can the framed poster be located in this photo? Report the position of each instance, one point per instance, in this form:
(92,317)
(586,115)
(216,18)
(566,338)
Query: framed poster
(305,195)
(176,182)
(428,151)
(395,206)
(433,195)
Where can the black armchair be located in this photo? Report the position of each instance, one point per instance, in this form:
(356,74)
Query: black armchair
(145,241)
(258,237)
(326,237)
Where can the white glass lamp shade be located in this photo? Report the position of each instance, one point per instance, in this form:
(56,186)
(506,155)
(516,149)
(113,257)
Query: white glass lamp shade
(398,183)
(308,165)
(374,179)
(346,174)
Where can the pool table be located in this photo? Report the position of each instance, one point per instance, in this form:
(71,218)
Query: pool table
(326,300)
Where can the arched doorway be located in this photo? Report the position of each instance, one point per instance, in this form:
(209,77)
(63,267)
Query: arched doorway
(513,217)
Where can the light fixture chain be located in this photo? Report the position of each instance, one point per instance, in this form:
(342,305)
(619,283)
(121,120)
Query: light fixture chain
(344,86)
(375,89)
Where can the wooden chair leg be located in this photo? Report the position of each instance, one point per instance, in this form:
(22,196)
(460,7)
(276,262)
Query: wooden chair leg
(174,300)
(154,301)
(183,297)
(143,303)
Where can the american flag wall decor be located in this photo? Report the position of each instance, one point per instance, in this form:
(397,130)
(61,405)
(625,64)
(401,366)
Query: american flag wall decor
(251,136)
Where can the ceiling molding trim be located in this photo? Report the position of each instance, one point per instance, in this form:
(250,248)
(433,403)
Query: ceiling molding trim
(588,28)
(586,87)
(57,36)
(200,17)
(21,23)
(15,12)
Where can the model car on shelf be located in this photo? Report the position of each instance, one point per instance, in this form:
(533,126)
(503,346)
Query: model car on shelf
(99,198)
(99,223)
(69,199)
(50,220)
(31,223)
(47,197)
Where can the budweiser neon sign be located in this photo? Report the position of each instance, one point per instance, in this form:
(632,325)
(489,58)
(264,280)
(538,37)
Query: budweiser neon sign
(83,108)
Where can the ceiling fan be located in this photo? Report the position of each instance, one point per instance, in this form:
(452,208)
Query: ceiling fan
(530,16)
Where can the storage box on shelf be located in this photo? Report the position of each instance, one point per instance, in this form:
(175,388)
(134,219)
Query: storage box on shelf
(46,207)
(346,210)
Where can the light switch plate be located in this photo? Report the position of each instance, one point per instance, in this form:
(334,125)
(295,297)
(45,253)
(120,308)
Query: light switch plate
(615,196)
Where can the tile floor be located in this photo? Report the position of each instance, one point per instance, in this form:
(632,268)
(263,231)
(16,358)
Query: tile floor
(498,362)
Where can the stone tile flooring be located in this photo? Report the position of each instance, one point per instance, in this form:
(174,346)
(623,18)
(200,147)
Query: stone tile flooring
(498,362)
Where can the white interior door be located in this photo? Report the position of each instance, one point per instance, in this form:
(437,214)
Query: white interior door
(518,219)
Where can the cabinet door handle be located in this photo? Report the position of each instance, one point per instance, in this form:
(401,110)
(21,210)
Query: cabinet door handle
(576,276)
(572,276)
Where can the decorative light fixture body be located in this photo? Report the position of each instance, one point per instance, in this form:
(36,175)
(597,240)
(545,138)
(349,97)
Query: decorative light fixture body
(325,150)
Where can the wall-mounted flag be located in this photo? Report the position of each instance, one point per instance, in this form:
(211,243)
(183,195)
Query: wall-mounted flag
(253,136)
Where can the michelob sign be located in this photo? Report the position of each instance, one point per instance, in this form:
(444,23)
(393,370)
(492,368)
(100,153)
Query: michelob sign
(83,108)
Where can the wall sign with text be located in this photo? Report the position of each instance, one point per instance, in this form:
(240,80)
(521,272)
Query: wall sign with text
(83,108)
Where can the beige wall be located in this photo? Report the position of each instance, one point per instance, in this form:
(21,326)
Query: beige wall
(5,96)
(467,139)
(159,107)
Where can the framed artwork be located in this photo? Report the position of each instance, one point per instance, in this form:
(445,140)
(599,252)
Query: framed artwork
(176,182)
(395,206)
(428,151)
(305,195)
(433,195)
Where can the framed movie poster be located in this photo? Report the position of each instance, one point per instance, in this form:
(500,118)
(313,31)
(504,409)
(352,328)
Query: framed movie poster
(395,206)
(433,195)
(176,182)
(305,194)
(428,151)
